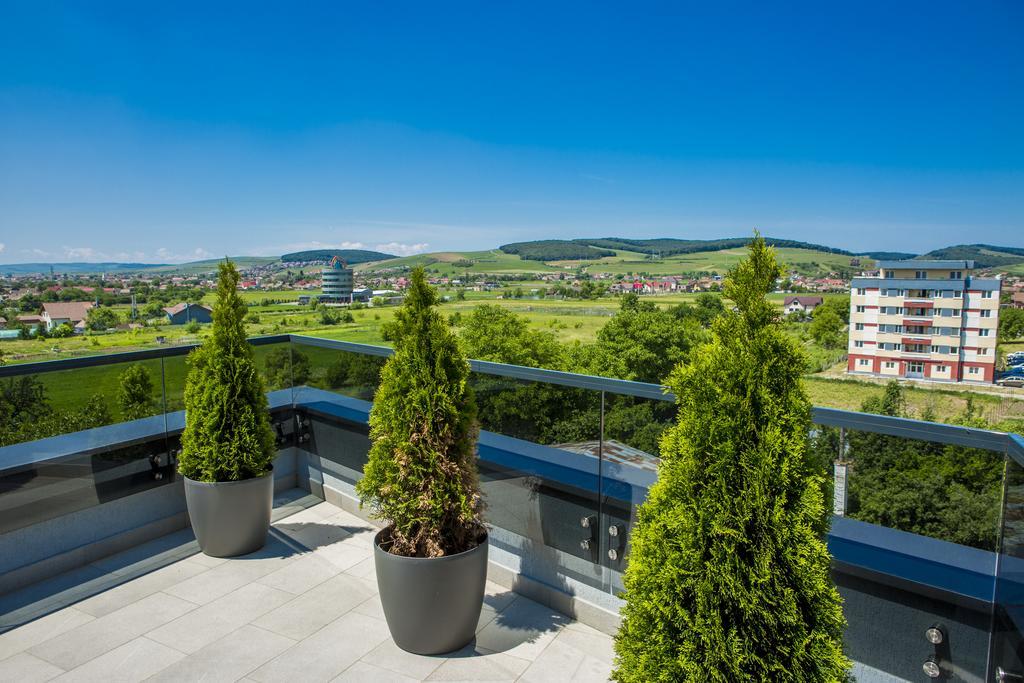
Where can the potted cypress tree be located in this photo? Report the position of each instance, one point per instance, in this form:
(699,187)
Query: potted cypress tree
(421,480)
(729,577)
(227,448)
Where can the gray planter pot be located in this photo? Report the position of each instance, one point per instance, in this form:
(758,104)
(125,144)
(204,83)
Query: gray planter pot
(432,605)
(230,518)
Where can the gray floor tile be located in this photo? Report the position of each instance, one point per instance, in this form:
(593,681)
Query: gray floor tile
(233,574)
(211,622)
(389,656)
(41,629)
(473,664)
(371,607)
(588,640)
(135,589)
(79,645)
(286,613)
(346,555)
(136,660)
(364,569)
(228,659)
(523,629)
(299,576)
(25,668)
(361,672)
(562,662)
(326,653)
(316,608)
(312,533)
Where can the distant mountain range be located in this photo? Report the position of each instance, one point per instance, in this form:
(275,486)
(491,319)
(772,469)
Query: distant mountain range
(626,254)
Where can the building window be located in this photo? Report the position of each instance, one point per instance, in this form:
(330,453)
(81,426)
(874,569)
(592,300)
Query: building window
(986,313)
(861,291)
(861,309)
(987,294)
(983,333)
(982,352)
(889,365)
(863,361)
(956,275)
(958,294)
(954,349)
(972,371)
(941,368)
(921,275)
(889,275)
(859,326)
(858,344)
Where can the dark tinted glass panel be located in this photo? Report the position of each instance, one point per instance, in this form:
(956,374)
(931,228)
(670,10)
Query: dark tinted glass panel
(540,473)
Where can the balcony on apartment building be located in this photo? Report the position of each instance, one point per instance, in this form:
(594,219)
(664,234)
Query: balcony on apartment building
(101,577)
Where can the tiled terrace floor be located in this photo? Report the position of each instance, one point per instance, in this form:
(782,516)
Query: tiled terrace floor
(305,608)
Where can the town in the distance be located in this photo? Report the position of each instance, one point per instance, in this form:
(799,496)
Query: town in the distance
(952,316)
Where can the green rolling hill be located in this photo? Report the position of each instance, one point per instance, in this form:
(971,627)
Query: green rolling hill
(611,255)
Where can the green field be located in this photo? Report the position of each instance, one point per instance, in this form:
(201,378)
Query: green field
(807,261)
(493,261)
(569,320)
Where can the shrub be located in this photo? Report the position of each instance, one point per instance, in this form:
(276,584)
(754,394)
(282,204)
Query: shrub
(62,331)
(285,367)
(421,476)
(135,393)
(193,327)
(102,318)
(227,431)
(729,577)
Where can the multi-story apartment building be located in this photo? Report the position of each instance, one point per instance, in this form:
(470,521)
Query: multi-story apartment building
(924,319)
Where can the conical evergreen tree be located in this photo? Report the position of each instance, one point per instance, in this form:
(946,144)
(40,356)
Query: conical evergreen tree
(227,424)
(729,578)
(421,476)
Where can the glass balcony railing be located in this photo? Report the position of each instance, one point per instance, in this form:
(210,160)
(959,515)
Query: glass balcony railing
(927,525)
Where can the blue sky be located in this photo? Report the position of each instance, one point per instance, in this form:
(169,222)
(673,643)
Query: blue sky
(171,131)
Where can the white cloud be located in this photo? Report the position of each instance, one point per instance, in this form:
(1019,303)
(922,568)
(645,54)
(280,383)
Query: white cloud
(82,253)
(2,247)
(400,249)
(167,256)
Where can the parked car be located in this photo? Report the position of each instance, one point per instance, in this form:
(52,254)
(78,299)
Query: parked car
(1011,381)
